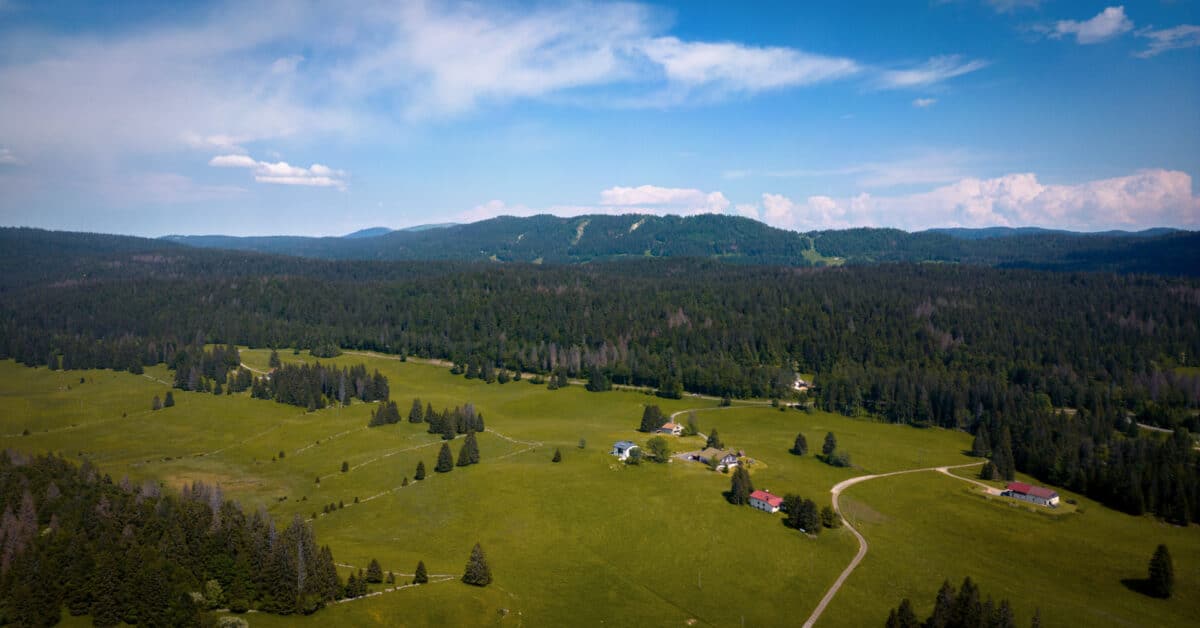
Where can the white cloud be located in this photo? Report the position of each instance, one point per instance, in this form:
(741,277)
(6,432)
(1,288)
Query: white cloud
(736,67)
(1178,37)
(1109,23)
(686,200)
(924,167)
(935,70)
(1145,199)
(7,158)
(282,172)
(1011,6)
(924,103)
(286,65)
(747,210)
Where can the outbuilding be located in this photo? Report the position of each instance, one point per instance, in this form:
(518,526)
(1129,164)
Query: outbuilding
(766,502)
(1035,494)
(622,449)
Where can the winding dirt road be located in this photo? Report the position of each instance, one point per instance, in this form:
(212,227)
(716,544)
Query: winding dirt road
(862,542)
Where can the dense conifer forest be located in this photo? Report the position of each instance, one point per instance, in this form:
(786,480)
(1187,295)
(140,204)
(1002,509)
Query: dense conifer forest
(72,538)
(1049,370)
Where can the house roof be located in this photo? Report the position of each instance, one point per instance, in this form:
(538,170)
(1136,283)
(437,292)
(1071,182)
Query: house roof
(624,444)
(774,500)
(1028,489)
(670,426)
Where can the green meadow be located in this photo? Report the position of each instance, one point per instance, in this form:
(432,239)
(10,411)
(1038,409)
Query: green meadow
(588,541)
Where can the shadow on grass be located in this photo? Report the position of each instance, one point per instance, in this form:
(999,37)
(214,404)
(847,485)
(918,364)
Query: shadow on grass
(1140,585)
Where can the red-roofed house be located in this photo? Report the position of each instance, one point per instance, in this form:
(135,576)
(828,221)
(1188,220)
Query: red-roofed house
(765,501)
(673,429)
(1027,492)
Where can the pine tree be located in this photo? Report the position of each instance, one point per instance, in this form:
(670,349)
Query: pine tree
(345,466)
(374,572)
(652,419)
(420,577)
(800,447)
(557,456)
(469,453)
(714,440)
(156,404)
(829,518)
(988,472)
(420,474)
(414,414)
(1002,457)
(980,447)
(830,445)
(274,361)
(445,461)
(169,400)
(740,487)
(1162,573)
(943,607)
(477,572)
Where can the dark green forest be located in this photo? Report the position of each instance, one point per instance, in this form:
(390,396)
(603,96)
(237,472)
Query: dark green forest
(71,537)
(1050,370)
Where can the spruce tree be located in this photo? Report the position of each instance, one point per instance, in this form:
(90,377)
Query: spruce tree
(477,572)
(652,419)
(714,440)
(980,447)
(345,466)
(800,447)
(420,577)
(1162,573)
(169,400)
(274,361)
(830,445)
(374,572)
(988,472)
(445,461)
(469,452)
(414,414)
(557,456)
(156,404)
(740,487)
(420,474)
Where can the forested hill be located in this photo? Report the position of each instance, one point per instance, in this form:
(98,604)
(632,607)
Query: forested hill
(548,239)
(551,239)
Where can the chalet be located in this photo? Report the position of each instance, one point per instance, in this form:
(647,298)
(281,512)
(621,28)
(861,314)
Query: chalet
(799,385)
(1036,494)
(712,455)
(622,449)
(765,501)
(674,429)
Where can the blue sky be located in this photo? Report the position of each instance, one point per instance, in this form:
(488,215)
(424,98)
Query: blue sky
(254,118)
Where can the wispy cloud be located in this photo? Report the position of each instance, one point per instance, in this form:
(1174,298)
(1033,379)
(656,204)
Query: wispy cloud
(918,168)
(924,103)
(933,71)
(1106,25)
(1011,6)
(283,173)
(7,158)
(1176,38)
(732,67)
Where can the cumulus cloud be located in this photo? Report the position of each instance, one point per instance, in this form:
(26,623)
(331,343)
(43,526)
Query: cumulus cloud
(686,200)
(1176,38)
(924,103)
(283,173)
(935,70)
(1106,25)
(1144,199)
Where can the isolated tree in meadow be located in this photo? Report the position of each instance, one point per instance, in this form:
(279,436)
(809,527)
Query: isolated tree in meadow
(420,474)
(800,447)
(169,400)
(659,449)
(374,572)
(830,445)
(420,577)
(583,443)
(829,518)
(445,461)
(414,414)
(345,466)
(808,517)
(692,427)
(477,572)
(740,487)
(652,419)
(156,404)
(557,456)
(1162,573)
(714,440)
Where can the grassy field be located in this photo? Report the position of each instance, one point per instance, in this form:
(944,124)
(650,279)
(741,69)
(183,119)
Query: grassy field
(587,540)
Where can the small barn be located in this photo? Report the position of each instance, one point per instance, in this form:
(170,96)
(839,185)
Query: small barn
(1035,494)
(622,449)
(674,429)
(766,502)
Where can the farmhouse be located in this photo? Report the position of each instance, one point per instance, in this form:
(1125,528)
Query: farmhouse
(1039,495)
(622,449)
(765,501)
(712,455)
(674,429)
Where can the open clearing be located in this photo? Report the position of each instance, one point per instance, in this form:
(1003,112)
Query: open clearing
(590,541)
